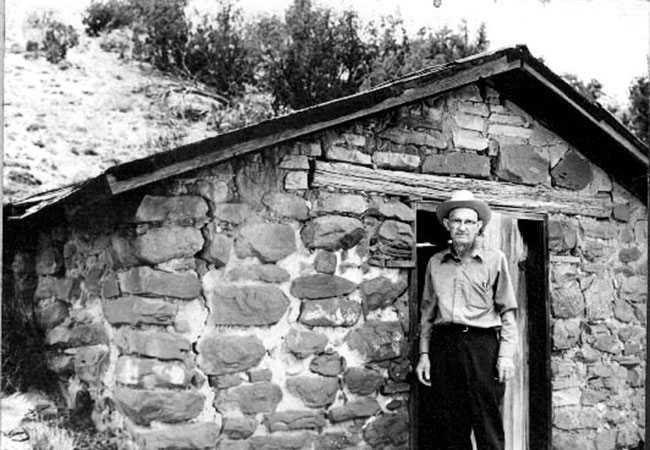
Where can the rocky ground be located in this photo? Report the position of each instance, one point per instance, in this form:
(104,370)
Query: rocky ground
(67,122)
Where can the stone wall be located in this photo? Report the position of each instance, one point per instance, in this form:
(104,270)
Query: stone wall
(240,305)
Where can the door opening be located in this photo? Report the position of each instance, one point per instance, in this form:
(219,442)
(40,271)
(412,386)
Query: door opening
(527,403)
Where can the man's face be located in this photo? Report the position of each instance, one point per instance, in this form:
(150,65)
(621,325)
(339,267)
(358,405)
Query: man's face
(463,225)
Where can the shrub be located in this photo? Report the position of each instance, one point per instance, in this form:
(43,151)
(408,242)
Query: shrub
(58,39)
(107,15)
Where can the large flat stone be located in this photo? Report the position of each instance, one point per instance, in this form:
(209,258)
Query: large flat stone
(364,407)
(151,373)
(457,163)
(378,341)
(234,213)
(572,172)
(145,406)
(192,436)
(145,280)
(287,205)
(380,292)
(269,273)
(250,398)
(469,139)
(221,354)
(175,209)
(246,305)
(321,286)
(304,343)
(331,203)
(270,242)
(396,161)
(152,343)
(362,381)
(409,137)
(333,232)
(396,210)
(76,335)
(286,442)
(331,312)
(295,420)
(338,153)
(238,426)
(314,391)
(522,164)
(133,310)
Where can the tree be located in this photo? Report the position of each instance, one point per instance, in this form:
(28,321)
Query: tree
(593,90)
(639,111)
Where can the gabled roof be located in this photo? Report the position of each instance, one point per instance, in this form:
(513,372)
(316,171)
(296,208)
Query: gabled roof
(514,72)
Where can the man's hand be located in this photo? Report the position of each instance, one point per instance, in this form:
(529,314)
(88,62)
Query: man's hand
(505,368)
(423,368)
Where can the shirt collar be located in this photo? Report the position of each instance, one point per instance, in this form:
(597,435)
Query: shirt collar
(477,253)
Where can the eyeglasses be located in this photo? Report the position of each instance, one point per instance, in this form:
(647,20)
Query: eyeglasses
(468,223)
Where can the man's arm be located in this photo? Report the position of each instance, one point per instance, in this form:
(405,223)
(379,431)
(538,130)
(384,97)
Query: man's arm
(507,303)
(427,314)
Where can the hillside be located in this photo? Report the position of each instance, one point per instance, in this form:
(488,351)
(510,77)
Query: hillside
(69,122)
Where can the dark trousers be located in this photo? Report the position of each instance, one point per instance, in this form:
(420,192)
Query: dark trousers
(467,394)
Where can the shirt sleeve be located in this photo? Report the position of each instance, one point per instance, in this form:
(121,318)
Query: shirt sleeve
(506,301)
(427,310)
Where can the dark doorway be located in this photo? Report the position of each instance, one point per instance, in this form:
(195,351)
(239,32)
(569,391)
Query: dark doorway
(527,406)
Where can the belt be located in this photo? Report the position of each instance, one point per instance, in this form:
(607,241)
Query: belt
(457,327)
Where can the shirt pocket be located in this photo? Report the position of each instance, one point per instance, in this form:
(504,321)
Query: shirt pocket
(480,294)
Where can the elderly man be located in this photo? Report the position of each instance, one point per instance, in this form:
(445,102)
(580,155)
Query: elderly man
(467,331)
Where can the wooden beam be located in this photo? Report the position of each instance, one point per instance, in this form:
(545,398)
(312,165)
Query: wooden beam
(303,123)
(500,195)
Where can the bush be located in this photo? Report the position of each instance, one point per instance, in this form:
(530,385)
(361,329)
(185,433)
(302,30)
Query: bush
(107,15)
(58,39)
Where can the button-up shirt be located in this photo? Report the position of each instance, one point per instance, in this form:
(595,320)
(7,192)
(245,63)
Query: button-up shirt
(474,293)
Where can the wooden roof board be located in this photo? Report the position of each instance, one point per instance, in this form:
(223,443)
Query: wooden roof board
(513,71)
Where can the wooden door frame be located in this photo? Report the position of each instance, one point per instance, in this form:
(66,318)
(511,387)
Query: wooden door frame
(533,228)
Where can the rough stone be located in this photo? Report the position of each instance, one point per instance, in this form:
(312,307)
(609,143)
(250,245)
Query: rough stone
(49,314)
(378,341)
(314,391)
(562,236)
(399,370)
(286,442)
(479,109)
(598,229)
(152,343)
(599,298)
(521,164)
(364,407)
(145,406)
(49,287)
(396,210)
(408,137)
(608,344)
(630,254)
(309,148)
(305,343)
(622,212)
(362,381)
(222,353)
(388,431)
(251,398)
(192,436)
(380,292)
(174,209)
(270,242)
(335,441)
(258,174)
(563,440)
(214,191)
(227,444)
(596,250)
(235,213)
(287,205)
(328,203)
(110,286)
(295,420)
(563,273)
(246,305)
(217,246)
(628,436)
(333,232)
(325,262)
(392,387)
(468,139)
(470,121)
(90,363)
(260,375)
(76,335)
(568,301)
(321,286)
(60,363)
(151,373)
(145,280)
(623,311)
(295,162)
(566,333)
(239,427)
(135,311)
(398,237)
(328,365)
(396,161)
(572,172)
(297,180)
(507,119)
(591,397)
(566,397)
(575,418)
(48,261)
(510,131)
(634,289)
(331,312)
(338,153)
(225,381)
(457,163)
(269,273)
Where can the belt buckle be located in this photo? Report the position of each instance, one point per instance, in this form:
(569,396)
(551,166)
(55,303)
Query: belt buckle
(465,330)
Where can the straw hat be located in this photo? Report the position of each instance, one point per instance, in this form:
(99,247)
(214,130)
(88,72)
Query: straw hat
(464,199)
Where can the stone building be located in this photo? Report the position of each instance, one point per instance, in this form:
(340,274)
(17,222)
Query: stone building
(259,289)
